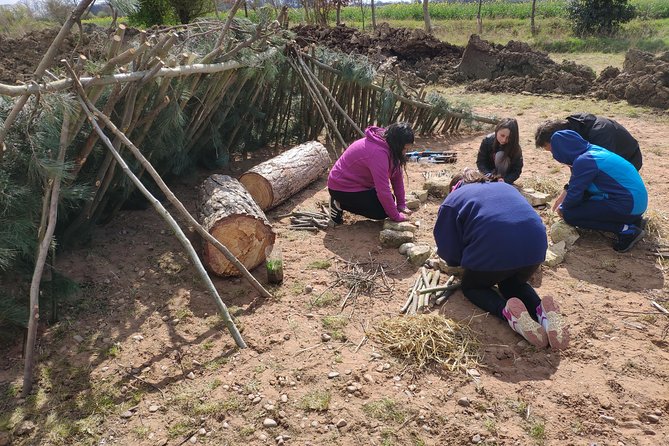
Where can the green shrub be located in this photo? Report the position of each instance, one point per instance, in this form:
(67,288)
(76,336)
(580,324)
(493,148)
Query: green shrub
(599,17)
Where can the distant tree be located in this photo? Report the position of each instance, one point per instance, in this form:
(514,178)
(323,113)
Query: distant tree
(599,17)
(426,17)
(187,10)
(479,21)
(153,12)
(373,15)
(338,4)
(533,28)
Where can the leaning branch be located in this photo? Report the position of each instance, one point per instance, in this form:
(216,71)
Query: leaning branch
(86,106)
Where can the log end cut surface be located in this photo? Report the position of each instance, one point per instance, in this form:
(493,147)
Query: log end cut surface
(259,188)
(246,237)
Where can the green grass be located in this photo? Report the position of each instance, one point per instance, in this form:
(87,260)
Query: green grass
(385,410)
(334,325)
(319,264)
(323,300)
(317,400)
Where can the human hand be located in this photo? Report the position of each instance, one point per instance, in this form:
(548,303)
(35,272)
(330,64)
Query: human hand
(405,210)
(558,202)
(403,217)
(500,180)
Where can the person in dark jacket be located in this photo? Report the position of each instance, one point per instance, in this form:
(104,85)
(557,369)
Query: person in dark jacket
(490,230)
(500,154)
(605,191)
(597,130)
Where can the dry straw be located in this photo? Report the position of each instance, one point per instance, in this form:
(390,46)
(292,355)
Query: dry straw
(428,339)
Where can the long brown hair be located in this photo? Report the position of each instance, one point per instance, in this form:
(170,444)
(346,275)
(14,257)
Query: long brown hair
(468,176)
(512,147)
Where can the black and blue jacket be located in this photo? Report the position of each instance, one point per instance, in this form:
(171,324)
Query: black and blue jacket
(598,174)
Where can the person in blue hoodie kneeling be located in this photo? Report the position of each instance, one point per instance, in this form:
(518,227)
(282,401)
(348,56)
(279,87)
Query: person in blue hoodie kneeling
(605,191)
(489,229)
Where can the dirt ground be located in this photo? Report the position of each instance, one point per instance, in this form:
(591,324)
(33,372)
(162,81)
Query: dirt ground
(142,358)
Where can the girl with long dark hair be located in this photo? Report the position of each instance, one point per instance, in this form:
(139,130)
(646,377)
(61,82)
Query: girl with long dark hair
(500,154)
(360,180)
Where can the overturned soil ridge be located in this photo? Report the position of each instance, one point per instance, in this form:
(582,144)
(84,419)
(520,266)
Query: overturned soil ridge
(644,80)
(19,57)
(511,68)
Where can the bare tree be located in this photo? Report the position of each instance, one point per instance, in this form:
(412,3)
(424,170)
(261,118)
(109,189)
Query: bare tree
(373,15)
(426,17)
(533,28)
(479,21)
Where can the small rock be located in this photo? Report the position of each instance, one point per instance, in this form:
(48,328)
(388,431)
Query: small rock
(333,375)
(404,247)
(284,398)
(369,378)
(419,254)
(256,400)
(314,423)
(262,437)
(126,414)
(464,402)
(651,417)
(351,389)
(308,289)
(225,425)
(309,315)
(607,419)
(269,422)
(286,337)
(191,375)
(476,439)
(348,371)
(376,355)
(325,337)
(78,338)
(341,423)
(138,337)
(379,368)
(193,439)
(474,373)
(25,428)
(202,431)
(268,406)
(153,408)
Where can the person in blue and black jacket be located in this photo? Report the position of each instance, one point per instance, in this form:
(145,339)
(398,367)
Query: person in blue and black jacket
(489,229)
(605,191)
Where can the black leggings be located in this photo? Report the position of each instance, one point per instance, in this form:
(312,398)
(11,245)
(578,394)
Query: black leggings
(365,203)
(477,286)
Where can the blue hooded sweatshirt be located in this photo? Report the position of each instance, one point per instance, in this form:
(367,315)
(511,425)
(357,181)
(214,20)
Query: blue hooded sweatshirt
(489,227)
(598,174)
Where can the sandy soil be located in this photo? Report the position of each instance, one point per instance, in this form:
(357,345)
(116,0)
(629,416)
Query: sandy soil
(151,363)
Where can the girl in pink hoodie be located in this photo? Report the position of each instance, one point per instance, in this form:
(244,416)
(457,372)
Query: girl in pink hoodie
(360,180)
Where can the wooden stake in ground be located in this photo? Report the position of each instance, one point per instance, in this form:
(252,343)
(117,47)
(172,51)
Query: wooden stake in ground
(277,179)
(228,212)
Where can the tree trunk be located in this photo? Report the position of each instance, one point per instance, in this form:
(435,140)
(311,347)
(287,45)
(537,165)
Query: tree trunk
(227,211)
(277,179)
(426,17)
(338,14)
(373,15)
(533,28)
(479,21)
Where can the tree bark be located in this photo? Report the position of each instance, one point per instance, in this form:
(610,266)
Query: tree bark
(227,212)
(426,17)
(274,181)
(479,21)
(533,28)
(373,15)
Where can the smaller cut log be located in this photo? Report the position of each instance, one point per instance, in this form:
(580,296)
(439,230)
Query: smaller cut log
(274,181)
(227,211)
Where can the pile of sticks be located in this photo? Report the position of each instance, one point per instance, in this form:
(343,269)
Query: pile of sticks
(307,220)
(426,292)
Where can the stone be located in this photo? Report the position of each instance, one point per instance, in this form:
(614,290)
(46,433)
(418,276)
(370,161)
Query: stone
(607,419)
(404,247)
(555,254)
(376,355)
(325,337)
(268,422)
(438,186)
(126,414)
(25,428)
(284,398)
(561,231)
(421,195)
(369,378)
(191,375)
(341,423)
(651,417)
(332,375)
(153,408)
(393,239)
(534,197)
(476,439)
(413,203)
(399,226)
(419,254)
(78,339)
(464,402)
(308,289)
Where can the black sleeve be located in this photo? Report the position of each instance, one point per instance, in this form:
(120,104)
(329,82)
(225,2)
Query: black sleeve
(484,161)
(515,169)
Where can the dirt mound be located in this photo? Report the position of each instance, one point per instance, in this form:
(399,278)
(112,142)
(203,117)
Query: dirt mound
(19,57)
(515,67)
(643,81)
(408,45)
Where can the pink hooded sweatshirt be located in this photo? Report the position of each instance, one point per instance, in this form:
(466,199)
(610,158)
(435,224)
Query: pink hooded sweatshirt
(367,164)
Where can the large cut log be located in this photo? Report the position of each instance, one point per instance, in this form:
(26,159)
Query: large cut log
(227,211)
(275,180)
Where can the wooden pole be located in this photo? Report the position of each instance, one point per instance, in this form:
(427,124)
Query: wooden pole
(161,211)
